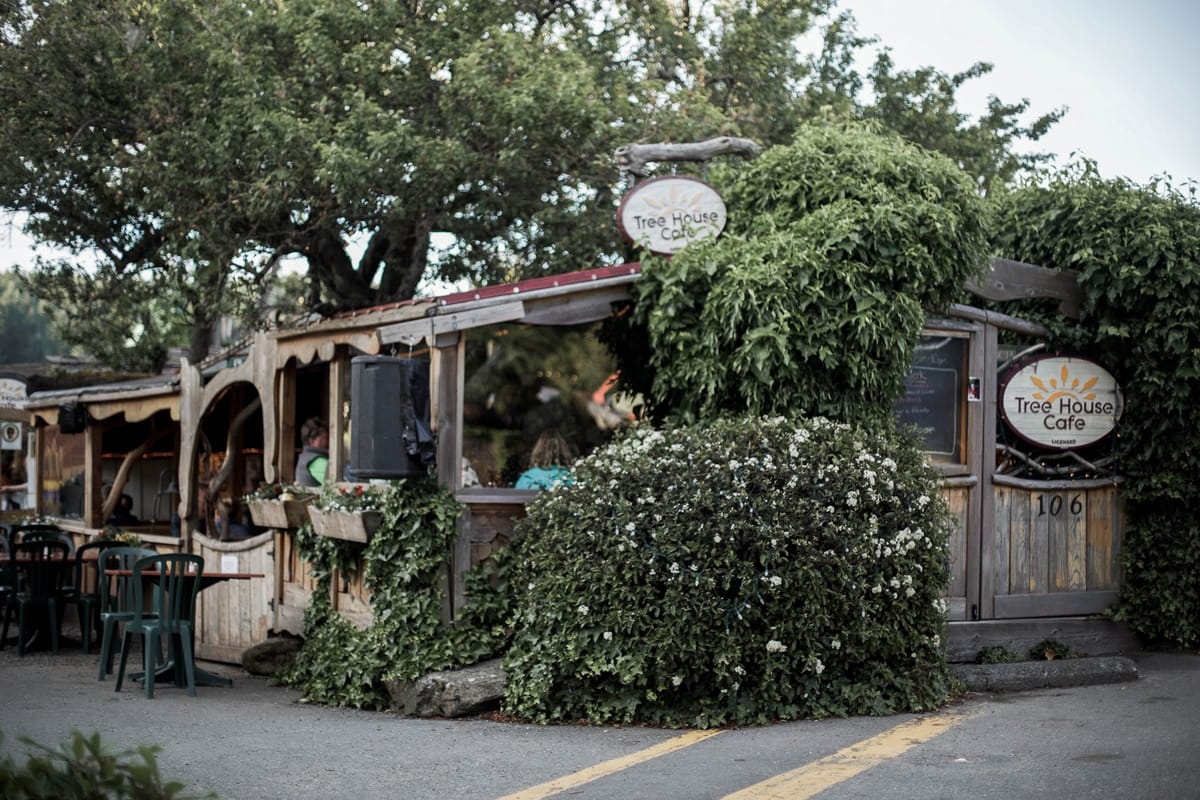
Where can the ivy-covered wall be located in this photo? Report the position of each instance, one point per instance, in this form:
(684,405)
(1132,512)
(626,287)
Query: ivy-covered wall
(404,569)
(1137,250)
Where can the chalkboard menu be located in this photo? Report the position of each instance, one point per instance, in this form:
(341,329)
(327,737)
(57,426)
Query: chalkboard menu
(934,394)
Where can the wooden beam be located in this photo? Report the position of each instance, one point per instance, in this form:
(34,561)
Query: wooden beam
(1016,280)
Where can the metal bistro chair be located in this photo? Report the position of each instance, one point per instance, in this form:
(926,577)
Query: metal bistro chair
(44,567)
(117,597)
(178,577)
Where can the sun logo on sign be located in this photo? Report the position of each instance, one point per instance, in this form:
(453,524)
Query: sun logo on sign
(676,199)
(1063,386)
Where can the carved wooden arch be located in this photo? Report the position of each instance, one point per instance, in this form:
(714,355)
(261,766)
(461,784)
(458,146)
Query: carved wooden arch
(258,369)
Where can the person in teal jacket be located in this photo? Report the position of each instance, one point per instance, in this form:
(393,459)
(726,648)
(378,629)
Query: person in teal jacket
(549,464)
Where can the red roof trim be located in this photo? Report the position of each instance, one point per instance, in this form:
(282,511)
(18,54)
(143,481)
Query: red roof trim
(505,289)
(534,284)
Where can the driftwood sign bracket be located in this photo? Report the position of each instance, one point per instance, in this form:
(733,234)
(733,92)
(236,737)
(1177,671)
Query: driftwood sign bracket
(634,158)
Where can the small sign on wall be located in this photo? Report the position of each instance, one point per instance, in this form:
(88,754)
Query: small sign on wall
(10,436)
(1061,402)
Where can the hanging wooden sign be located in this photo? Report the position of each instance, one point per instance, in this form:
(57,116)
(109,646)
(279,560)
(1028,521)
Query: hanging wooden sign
(666,214)
(1060,402)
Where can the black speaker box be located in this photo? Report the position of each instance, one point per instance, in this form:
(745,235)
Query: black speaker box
(390,436)
(72,418)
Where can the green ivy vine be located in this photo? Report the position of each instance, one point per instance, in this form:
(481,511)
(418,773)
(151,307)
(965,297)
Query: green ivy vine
(404,568)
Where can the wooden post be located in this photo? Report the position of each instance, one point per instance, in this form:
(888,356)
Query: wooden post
(339,396)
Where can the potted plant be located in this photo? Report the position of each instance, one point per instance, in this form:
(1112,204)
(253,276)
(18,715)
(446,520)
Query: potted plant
(278,505)
(347,512)
(112,533)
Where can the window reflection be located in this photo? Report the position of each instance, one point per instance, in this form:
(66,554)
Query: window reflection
(525,380)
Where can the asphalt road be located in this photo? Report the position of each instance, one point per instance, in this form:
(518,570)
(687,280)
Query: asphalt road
(256,742)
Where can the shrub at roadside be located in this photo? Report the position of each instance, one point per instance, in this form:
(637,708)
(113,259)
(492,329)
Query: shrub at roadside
(744,571)
(84,768)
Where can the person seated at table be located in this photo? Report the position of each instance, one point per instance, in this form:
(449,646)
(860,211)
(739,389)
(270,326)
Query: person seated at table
(549,464)
(314,458)
(123,513)
(229,521)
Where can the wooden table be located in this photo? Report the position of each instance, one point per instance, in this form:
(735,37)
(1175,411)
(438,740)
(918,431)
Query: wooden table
(173,668)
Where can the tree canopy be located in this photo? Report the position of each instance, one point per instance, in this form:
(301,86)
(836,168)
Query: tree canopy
(26,332)
(184,149)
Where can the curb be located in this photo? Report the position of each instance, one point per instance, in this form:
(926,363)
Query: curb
(1027,675)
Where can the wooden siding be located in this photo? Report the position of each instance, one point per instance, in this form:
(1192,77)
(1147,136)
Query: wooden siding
(294,585)
(1057,547)
(957,497)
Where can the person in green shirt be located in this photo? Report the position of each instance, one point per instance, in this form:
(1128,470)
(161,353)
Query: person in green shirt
(314,458)
(549,464)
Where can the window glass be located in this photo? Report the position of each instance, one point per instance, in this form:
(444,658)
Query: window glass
(61,471)
(526,380)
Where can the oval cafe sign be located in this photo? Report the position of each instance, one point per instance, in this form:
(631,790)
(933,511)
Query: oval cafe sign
(1061,402)
(668,213)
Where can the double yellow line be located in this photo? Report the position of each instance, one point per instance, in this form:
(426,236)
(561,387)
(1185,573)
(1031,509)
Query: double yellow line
(798,784)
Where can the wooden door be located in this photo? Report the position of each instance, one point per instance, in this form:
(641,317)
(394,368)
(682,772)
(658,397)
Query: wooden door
(233,615)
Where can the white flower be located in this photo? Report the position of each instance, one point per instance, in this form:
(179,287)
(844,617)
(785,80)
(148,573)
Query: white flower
(739,669)
(583,610)
(716,538)
(676,680)
(818,667)
(909,592)
(629,526)
(608,636)
(776,646)
(775,580)
(836,644)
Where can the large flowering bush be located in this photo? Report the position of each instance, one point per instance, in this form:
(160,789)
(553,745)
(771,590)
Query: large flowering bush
(745,571)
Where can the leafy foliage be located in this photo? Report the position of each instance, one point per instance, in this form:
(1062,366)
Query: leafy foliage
(738,572)
(25,325)
(404,565)
(206,142)
(1137,250)
(84,768)
(811,302)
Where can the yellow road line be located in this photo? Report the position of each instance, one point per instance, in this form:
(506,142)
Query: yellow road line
(608,767)
(814,778)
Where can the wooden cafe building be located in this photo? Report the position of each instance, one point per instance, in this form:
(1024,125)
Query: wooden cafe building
(1034,555)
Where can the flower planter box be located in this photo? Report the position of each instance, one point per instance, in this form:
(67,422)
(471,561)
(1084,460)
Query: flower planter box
(353,526)
(279,513)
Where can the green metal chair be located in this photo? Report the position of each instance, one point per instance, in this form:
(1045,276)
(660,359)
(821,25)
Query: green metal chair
(8,576)
(118,600)
(43,533)
(178,579)
(43,573)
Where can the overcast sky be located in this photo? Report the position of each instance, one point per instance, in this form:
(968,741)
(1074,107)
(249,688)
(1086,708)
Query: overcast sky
(1127,71)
